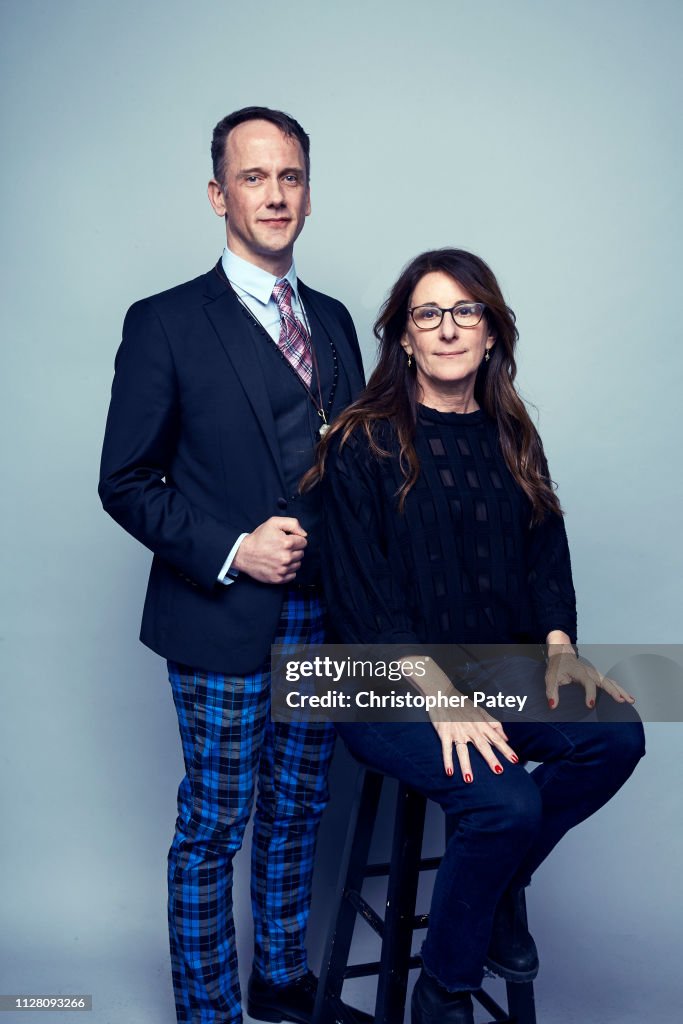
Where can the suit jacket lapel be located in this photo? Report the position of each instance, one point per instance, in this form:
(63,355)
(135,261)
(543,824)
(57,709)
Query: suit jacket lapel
(348,359)
(235,327)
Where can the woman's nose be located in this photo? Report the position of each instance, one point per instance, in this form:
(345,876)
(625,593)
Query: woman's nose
(449,328)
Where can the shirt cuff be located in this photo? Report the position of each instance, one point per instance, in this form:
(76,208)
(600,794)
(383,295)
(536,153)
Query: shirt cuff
(227,575)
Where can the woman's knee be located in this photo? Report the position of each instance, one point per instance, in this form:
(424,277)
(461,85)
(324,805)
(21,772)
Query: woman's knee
(626,743)
(616,743)
(520,813)
(510,805)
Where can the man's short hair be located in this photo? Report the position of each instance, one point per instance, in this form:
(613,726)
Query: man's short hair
(284,122)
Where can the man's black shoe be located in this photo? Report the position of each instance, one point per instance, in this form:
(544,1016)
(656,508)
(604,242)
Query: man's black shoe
(432,1004)
(293,1002)
(512,951)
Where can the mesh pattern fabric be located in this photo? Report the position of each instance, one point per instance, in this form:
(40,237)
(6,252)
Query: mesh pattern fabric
(461,564)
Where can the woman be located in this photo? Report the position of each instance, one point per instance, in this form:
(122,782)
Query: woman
(442,526)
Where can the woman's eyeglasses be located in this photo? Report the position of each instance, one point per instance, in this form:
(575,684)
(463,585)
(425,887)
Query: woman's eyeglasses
(465,314)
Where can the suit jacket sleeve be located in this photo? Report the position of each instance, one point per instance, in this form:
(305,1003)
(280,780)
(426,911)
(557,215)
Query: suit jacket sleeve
(141,438)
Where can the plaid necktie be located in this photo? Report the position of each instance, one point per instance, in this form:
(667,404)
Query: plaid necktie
(294,342)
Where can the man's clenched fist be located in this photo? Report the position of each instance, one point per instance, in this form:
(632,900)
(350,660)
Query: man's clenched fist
(273,552)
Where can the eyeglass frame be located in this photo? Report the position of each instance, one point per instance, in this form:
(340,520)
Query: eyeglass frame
(447,309)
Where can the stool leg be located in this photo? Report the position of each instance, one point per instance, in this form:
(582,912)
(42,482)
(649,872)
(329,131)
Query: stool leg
(521,1004)
(400,906)
(328,1007)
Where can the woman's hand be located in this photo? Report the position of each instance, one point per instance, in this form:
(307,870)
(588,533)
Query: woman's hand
(564,667)
(459,726)
(478,728)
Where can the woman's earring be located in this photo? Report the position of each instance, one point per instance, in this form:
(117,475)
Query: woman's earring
(410,360)
(487,355)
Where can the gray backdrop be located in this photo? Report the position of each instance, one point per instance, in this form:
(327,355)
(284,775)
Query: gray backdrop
(544,136)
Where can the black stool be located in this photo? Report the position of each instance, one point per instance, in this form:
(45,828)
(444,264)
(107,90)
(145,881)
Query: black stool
(400,920)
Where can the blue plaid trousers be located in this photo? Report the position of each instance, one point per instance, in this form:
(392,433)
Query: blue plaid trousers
(228,741)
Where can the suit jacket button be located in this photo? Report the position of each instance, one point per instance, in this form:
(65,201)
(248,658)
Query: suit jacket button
(282,503)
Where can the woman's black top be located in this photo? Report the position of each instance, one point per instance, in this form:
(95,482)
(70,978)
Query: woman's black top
(461,564)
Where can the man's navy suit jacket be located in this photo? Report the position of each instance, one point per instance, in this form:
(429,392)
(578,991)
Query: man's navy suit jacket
(190,461)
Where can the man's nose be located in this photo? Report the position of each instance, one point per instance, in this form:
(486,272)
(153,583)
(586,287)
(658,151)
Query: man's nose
(275,194)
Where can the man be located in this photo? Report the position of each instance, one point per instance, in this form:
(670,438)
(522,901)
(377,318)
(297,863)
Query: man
(221,387)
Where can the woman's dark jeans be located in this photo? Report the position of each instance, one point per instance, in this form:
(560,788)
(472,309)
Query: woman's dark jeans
(506,824)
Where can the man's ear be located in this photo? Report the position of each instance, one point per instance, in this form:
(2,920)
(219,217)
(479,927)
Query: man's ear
(217,198)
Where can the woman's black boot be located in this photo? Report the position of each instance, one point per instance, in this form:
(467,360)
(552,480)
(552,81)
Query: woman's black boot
(433,1004)
(512,952)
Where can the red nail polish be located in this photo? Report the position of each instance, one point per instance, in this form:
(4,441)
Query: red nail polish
(498,769)
(468,778)
(551,702)
(449,771)
(514,759)
(591,703)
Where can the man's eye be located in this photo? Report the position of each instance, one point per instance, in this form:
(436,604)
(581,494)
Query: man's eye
(292,179)
(252,179)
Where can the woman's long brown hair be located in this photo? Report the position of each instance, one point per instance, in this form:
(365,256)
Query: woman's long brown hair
(392,392)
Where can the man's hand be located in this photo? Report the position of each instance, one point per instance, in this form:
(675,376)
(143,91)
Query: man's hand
(273,552)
